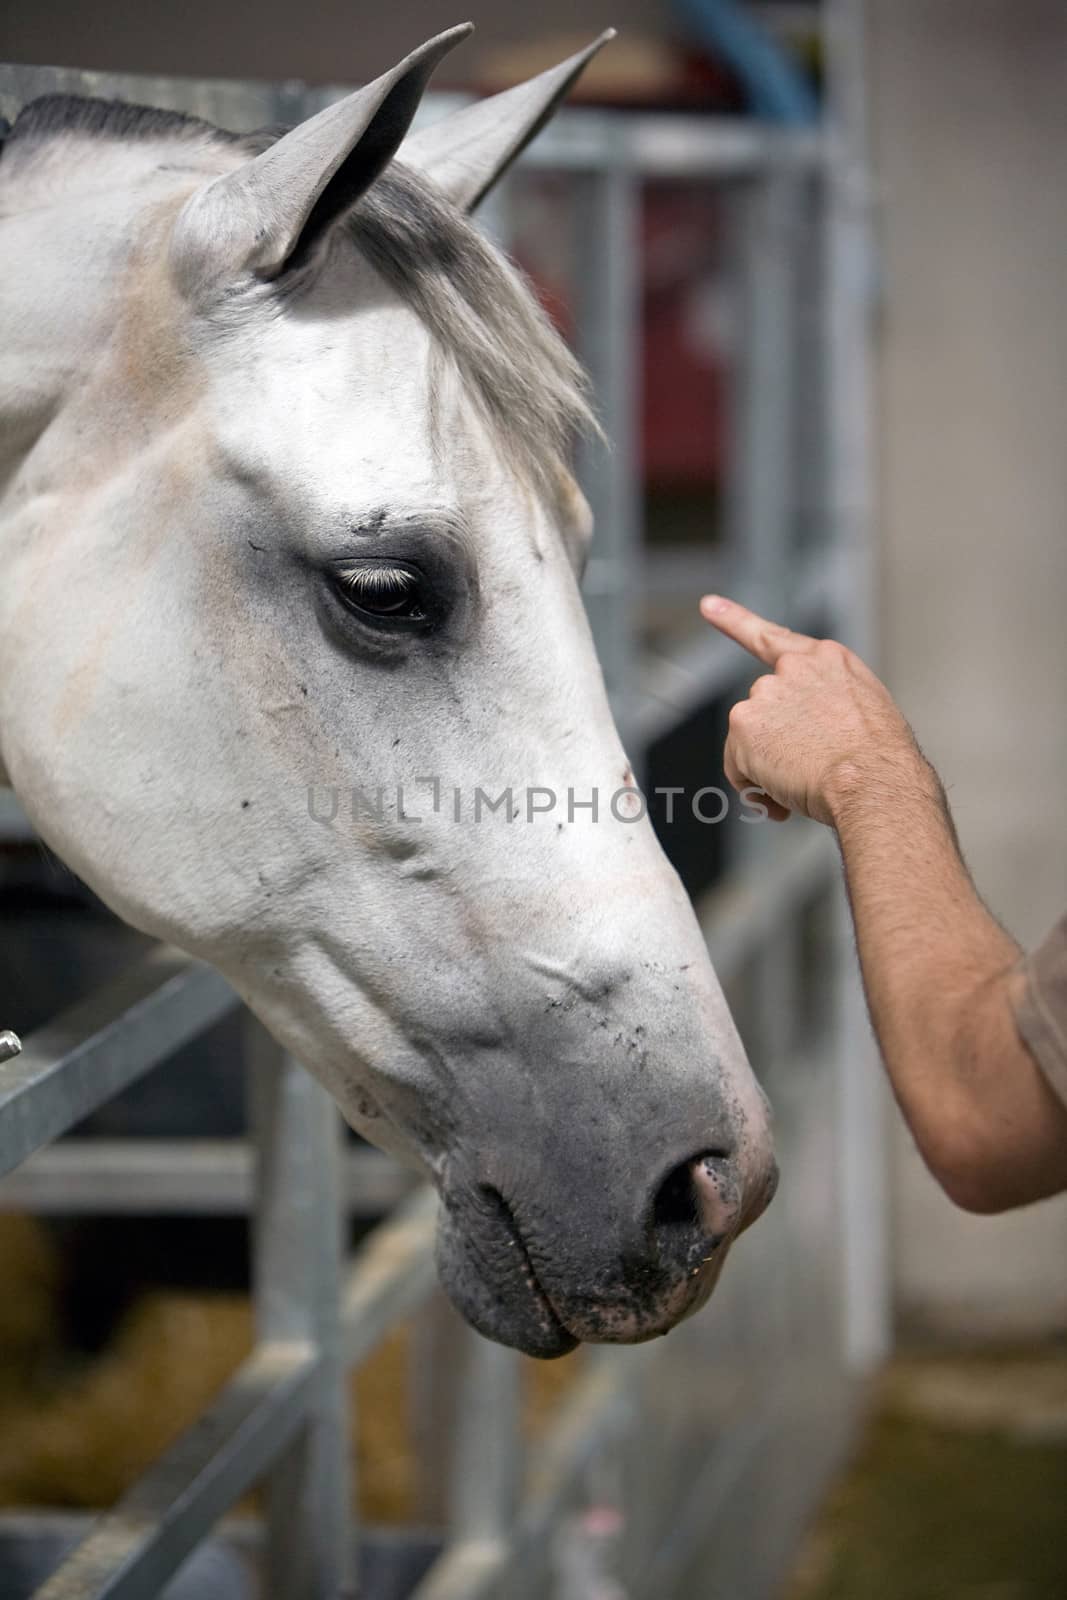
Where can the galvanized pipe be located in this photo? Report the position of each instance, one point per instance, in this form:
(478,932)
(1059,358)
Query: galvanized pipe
(296,1286)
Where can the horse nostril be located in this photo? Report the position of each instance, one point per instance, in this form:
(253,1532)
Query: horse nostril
(675,1203)
(695,1196)
(494,1203)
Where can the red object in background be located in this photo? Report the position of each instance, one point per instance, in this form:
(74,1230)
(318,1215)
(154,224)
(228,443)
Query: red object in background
(683,401)
(705,83)
(683,423)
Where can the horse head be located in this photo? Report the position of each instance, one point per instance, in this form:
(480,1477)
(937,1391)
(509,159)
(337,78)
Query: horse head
(294,659)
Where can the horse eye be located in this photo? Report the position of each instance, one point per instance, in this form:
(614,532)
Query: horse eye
(383,591)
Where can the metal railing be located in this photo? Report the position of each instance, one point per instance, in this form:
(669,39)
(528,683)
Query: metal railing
(282,1418)
(283,1414)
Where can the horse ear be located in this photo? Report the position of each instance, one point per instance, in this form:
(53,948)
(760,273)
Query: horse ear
(266,214)
(467,152)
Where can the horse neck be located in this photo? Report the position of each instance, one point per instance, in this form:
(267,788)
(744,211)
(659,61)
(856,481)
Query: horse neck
(71,223)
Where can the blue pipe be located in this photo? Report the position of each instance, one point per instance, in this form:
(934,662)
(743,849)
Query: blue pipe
(776,89)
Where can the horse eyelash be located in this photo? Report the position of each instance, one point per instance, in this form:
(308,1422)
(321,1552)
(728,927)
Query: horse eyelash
(374,580)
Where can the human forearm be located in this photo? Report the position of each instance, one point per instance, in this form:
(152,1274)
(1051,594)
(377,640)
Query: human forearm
(937,969)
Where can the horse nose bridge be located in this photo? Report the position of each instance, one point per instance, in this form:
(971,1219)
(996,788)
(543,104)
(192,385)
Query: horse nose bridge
(614,960)
(627,1052)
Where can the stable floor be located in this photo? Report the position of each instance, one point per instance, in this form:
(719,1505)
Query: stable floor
(958,1488)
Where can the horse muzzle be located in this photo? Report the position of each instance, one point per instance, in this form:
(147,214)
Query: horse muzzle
(543,1283)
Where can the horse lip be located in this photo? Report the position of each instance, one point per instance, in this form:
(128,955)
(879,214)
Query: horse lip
(703,1269)
(551,1317)
(504,1300)
(506,1217)
(486,1268)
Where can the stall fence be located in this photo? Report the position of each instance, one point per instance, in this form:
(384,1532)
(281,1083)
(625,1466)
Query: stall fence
(802,1308)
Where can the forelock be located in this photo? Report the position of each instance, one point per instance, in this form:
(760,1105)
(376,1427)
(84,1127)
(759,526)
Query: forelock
(483,315)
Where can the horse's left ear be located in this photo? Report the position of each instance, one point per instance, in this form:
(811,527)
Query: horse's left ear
(266,214)
(467,152)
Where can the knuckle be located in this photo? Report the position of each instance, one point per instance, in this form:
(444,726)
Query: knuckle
(831,652)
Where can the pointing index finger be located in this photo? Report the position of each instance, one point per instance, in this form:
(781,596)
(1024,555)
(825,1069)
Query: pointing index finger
(765,640)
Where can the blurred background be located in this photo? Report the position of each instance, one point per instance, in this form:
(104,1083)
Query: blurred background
(814,256)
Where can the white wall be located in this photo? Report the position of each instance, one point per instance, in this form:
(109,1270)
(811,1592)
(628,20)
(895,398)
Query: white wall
(970,110)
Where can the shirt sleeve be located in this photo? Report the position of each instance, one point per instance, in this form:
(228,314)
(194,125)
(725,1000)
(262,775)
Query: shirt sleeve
(1041,1009)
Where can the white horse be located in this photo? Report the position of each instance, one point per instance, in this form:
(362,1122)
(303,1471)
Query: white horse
(285,510)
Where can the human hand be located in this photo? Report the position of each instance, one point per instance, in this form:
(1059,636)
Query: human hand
(816,730)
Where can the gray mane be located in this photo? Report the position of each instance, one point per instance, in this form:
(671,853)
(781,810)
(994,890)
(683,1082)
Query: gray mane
(53,114)
(478,308)
(482,313)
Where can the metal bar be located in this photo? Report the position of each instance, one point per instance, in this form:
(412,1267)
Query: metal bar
(91,1052)
(811,528)
(715,1504)
(770,1044)
(296,1263)
(693,147)
(224,1565)
(763,490)
(391,1274)
(705,1503)
(595,1415)
(762,465)
(185,1177)
(607,295)
(775,998)
(863,1202)
(487,1450)
(132,1550)
(597,1412)
(434,1366)
(740,914)
(466,1571)
(849,275)
(669,145)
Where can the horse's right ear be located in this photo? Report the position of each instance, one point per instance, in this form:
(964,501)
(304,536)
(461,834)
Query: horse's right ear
(267,214)
(468,152)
